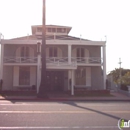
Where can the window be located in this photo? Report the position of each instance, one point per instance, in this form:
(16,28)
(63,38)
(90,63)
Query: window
(53,30)
(52,52)
(80,76)
(59,30)
(39,29)
(80,52)
(24,75)
(63,30)
(49,29)
(24,51)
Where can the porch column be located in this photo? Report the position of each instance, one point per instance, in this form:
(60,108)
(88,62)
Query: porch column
(104,66)
(1,60)
(69,54)
(72,82)
(69,79)
(38,71)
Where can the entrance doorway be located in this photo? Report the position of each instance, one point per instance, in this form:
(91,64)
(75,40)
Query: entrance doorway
(55,80)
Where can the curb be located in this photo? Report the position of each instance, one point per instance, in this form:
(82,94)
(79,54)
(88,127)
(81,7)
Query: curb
(62,99)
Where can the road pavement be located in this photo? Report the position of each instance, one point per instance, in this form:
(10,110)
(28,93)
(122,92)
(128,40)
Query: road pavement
(67,115)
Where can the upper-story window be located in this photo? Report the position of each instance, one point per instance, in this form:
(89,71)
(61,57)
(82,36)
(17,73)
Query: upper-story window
(80,52)
(49,30)
(53,29)
(61,30)
(52,52)
(25,51)
(39,29)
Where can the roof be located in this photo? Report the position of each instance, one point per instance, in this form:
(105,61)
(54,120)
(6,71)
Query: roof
(50,37)
(54,26)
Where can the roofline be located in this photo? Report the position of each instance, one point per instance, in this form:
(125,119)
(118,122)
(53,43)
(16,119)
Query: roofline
(51,25)
(55,42)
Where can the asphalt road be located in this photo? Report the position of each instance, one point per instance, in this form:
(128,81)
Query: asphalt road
(25,115)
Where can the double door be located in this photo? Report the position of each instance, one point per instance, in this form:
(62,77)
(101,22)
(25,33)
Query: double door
(55,80)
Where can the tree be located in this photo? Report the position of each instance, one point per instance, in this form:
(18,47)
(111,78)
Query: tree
(126,79)
(116,74)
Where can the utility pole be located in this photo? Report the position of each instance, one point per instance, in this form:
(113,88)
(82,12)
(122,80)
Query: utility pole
(42,88)
(120,70)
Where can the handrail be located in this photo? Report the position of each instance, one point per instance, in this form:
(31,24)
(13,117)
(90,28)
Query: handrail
(56,60)
(20,59)
(87,60)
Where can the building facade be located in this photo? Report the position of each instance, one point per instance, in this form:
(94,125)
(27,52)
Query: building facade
(71,62)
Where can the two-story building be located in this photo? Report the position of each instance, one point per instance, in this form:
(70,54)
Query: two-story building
(70,61)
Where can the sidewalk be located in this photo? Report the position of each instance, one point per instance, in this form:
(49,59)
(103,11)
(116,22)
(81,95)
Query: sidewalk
(116,97)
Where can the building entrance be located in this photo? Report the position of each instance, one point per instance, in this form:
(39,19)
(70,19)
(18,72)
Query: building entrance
(55,80)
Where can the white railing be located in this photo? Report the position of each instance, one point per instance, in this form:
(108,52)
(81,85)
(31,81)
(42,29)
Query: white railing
(60,61)
(20,59)
(87,60)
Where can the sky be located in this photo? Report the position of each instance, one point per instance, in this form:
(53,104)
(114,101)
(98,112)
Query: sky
(92,19)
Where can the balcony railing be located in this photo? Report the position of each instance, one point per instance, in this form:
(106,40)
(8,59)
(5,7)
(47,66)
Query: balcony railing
(87,60)
(20,59)
(60,61)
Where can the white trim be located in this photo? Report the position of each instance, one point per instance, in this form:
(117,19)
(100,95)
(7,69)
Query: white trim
(104,66)
(32,75)
(69,53)
(38,72)
(72,82)
(56,42)
(69,79)
(1,61)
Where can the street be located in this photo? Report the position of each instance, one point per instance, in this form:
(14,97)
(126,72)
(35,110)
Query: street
(40,115)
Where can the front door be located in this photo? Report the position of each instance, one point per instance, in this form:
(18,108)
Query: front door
(54,80)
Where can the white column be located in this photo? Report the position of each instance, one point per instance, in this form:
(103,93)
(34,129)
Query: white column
(2,59)
(72,82)
(104,66)
(69,78)
(69,54)
(38,71)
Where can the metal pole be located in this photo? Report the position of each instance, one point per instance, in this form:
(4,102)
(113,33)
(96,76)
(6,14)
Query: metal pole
(120,71)
(42,88)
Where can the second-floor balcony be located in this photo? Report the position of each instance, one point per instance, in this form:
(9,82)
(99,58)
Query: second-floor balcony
(55,61)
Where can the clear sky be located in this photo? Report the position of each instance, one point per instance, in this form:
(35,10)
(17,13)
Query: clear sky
(93,19)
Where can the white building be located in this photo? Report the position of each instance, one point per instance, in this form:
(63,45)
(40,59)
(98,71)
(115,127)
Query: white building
(71,62)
